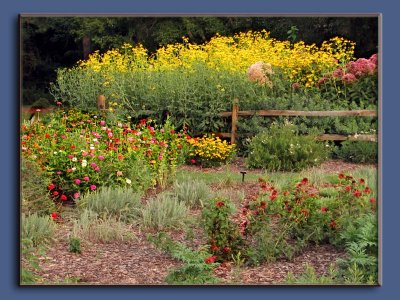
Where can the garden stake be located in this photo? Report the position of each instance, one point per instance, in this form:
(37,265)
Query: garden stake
(243,173)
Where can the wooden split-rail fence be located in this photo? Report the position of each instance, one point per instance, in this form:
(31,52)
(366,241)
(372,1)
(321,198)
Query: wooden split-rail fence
(236,113)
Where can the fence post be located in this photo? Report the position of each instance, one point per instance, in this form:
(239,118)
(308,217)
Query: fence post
(235,110)
(101,102)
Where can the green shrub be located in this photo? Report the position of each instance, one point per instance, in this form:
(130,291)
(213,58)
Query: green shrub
(193,193)
(361,239)
(358,152)
(163,212)
(34,194)
(197,268)
(122,203)
(281,148)
(74,245)
(107,229)
(38,229)
(223,235)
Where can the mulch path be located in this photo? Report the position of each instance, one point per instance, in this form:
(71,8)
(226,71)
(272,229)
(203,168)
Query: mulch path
(138,262)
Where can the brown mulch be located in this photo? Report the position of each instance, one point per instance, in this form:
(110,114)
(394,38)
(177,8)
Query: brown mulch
(138,262)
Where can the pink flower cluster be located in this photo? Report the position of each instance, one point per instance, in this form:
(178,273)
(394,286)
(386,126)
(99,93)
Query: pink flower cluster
(353,70)
(259,72)
(362,66)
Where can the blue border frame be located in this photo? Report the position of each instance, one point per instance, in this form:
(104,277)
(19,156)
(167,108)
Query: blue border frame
(9,122)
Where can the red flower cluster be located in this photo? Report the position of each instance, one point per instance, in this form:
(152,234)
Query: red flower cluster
(220,204)
(210,259)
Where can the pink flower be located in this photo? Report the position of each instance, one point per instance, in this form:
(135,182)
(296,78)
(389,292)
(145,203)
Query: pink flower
(86,178)
(93,165)
(349,78)
(70,156)
(93,187)
(84,154)
(110,134)
(102,123)
(59,103)
(193,161)
(77,195)
(58,172)
(338,73)
(296,86)
(119,173)
(97,169)
(101,157)
(77,181)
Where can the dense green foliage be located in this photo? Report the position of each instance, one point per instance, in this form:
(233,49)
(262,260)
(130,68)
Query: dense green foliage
(281,148)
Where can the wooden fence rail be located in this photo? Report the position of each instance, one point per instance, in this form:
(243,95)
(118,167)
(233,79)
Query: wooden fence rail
(235,113)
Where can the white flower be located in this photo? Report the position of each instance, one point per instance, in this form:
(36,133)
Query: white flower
(128,181)
(55,152)
(84,163)
(73,169)
(74,159)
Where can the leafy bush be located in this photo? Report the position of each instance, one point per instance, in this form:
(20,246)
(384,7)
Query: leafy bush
(281,148)
(37,229)
(197,268)
(358,152)
(163,212)
(106,230)
(121,203)
(223,236)
(34,195)
(361,240)
(193,193)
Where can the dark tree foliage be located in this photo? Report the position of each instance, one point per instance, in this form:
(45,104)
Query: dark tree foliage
(52,42)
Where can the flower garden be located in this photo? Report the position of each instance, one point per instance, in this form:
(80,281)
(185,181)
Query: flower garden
(150,171)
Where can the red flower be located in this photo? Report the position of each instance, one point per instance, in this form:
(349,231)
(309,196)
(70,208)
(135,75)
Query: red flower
(367,190)
(214,248)
(341,176)
(324,209)
(348,188)
(333,224)
(220,204)
(272,197)
(304,181)
(372,200)
(47,136)
(51,186)
(227,249)
(263,205)
(362,181)
(55,193)
(63,198)
(193,161)
(210,259)
(54,216)
(357,193)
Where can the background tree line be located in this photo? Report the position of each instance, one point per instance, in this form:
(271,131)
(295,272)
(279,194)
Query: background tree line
(49,43)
